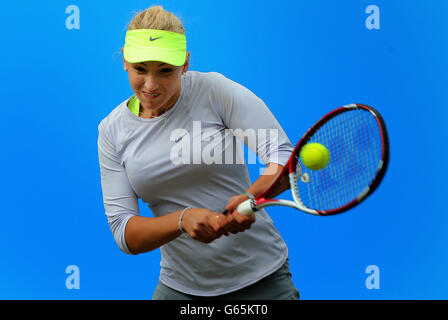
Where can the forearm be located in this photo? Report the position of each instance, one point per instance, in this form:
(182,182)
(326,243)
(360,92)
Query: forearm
(265,180)
(145,234)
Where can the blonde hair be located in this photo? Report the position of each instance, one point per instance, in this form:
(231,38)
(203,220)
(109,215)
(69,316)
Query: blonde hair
(156,17)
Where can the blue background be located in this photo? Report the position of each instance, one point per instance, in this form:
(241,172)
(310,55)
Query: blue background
(303,58)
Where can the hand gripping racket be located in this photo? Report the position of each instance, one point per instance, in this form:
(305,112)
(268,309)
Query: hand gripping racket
(357,140)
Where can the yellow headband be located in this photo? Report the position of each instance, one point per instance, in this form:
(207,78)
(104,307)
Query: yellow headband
(155,45)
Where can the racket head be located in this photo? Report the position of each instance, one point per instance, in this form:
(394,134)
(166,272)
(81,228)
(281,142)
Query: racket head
(357,140)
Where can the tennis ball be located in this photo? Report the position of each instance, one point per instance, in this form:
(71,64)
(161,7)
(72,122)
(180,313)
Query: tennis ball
(314,156)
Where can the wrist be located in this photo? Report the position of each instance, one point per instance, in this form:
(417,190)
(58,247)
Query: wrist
(181,216)
(249,195)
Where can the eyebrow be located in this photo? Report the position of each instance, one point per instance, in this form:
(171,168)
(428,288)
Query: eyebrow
(145,64)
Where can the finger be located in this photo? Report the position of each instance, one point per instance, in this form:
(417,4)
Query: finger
(243,219)
(218,224)
(240,223)
(231,223)
(229,227)
(210,232)
(198,236)
(201,233)
(204,237)
(233,226)
(234,202)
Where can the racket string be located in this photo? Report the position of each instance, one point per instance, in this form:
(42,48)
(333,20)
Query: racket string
(354,141)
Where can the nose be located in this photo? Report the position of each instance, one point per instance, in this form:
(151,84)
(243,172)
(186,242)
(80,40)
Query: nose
(151,83)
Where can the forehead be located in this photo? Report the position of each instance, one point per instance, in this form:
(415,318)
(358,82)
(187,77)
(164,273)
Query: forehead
(151,63)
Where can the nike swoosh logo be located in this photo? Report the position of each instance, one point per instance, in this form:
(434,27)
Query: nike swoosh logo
(178,138)
(152,39)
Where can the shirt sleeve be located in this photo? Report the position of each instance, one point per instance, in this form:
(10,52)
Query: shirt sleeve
(120,200)
(248,116)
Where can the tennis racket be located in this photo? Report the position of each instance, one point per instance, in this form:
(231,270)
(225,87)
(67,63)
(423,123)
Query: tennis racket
(357,140)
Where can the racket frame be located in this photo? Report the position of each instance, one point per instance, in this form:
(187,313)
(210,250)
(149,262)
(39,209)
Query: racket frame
(293,170)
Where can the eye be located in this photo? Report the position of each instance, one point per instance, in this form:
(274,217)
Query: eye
(139,69)
(166,70)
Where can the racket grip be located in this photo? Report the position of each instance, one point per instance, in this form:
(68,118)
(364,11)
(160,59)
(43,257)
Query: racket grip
(245,208)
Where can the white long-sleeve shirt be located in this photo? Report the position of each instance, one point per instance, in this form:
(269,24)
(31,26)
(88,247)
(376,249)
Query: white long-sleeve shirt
(188,157)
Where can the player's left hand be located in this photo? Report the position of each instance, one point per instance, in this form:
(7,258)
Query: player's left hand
(234,222)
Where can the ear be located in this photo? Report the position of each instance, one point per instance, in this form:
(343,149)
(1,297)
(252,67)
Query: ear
(187,63)
(125,63)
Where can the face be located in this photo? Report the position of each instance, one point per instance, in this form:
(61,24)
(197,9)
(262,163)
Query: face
(156,84)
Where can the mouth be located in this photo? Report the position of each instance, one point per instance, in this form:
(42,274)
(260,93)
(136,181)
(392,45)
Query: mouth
(151,96)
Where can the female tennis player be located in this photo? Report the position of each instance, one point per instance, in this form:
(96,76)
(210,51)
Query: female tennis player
(154,146)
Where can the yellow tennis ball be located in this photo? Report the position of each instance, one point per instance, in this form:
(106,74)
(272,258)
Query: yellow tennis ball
(314,156)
